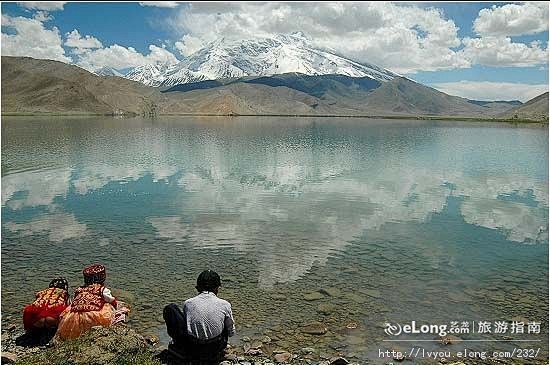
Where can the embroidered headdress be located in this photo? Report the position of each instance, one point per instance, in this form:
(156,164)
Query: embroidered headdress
(94,274)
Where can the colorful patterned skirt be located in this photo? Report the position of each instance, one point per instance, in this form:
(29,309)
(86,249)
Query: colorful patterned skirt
(74,324)
(33,314)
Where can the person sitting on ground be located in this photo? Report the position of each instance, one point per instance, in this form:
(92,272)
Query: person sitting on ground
(201,330)
(93,305)
(44,312)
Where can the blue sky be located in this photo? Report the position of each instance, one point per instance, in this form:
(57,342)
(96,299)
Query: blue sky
(439,44)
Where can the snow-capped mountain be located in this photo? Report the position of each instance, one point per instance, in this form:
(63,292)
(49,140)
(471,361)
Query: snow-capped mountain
(150,74)
(107,71)
(255,57)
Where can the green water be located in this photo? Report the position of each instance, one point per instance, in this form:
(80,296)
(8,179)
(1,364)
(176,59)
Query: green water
(409,220)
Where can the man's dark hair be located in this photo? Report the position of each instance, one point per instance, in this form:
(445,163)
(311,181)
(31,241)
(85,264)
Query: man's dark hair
(208,280)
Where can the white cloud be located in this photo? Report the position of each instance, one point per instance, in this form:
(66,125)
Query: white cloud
(401,38)
(502,52)
(189,45)
(81,44)
(160,4)
(512,19)
(45,5)
(31,39)
(42,16)
(159,55)
(119,57)
(485,90)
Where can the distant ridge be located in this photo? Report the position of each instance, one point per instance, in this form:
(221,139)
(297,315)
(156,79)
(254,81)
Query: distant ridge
(534,109)
(43,86)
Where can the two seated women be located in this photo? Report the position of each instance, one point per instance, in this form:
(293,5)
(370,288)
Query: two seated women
(93,305)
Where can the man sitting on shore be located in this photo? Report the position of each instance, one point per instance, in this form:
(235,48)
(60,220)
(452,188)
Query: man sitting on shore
(200,331)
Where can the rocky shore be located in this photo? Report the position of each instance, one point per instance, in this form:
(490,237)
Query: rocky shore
(121,344)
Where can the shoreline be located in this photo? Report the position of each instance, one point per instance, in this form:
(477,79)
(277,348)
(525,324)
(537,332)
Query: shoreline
(232,115)
(122,344)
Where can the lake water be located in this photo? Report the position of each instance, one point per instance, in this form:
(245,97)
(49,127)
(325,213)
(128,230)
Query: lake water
(398,220)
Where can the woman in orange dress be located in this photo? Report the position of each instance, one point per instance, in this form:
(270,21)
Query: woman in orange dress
(93,305)
(44,312)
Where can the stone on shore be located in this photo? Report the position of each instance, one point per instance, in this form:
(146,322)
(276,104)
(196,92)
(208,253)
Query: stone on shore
(449,340)
(8,358)
(313,296)
(282,357)
(254,352)
(314,328)
(256,344)
(357,298)
(372,293)
(326,309)
(338,361)
(331,292)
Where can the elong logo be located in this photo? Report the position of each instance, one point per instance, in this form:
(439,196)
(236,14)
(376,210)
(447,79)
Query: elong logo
(396,329)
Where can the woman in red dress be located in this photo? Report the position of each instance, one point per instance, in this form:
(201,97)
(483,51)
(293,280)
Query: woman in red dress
(44,312)
(93,305)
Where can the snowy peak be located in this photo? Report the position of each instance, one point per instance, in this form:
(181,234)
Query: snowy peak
(293,38)
(107,71)
(283,53)
(150,74)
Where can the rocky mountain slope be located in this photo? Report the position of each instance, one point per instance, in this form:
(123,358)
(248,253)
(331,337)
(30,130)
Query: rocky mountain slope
(31,85)
(44,86)
(351,95)
(534,109)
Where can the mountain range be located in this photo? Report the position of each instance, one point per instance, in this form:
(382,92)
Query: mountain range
(280,54)
(284,75)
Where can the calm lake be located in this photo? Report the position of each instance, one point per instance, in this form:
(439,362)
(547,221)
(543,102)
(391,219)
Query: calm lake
(348,222)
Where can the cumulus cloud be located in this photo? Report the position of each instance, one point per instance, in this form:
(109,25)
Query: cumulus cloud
(45,5)
(31,39)
(120,57)
(81,44)
(485,90)
(160,4)
(496,25)
(502,52)
(42,16)
(401,38)
(512,19)
(189,45)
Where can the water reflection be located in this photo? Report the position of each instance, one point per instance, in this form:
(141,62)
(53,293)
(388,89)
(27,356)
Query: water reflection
(377,209)
(58,227)
(291,195)
(34,188)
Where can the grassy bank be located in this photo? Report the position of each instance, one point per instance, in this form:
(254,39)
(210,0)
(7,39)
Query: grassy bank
(115,345)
